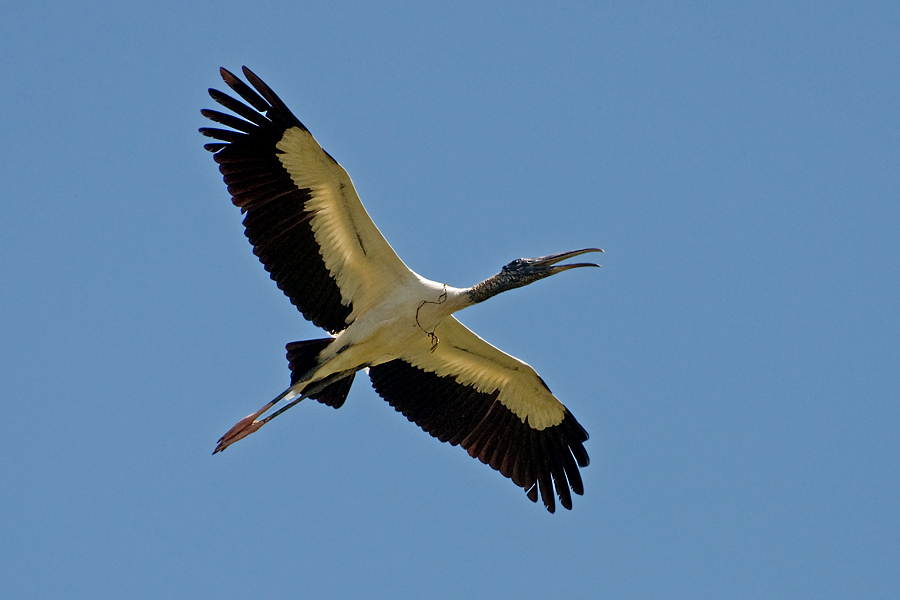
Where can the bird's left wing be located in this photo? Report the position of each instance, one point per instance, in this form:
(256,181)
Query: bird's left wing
(470,393)
(304,218)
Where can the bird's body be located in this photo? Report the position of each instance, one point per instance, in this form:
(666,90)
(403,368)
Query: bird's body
(313,235)
(399,323)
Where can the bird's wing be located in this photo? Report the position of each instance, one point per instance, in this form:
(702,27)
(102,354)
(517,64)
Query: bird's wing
(468,392)
(303,216)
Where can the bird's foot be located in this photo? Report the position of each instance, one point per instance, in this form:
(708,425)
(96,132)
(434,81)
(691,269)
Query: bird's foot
(242,429)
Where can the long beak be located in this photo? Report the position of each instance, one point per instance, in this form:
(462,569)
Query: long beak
(548,263)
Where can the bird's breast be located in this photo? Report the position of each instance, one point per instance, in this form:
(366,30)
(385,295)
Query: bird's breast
(400,322)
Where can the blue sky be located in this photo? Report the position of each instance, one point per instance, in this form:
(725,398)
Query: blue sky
(735,361)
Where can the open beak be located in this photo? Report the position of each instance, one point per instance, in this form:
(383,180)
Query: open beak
(548,265)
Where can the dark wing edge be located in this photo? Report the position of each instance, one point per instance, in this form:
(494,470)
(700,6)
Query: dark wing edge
(276,221)
(535,460)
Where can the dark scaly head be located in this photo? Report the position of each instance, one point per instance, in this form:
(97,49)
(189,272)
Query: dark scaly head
(523,271)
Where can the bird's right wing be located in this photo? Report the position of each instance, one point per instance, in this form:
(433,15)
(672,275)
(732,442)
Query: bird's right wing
(304,218)
(470,393)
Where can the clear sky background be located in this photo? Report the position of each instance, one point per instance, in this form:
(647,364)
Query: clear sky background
(735,361)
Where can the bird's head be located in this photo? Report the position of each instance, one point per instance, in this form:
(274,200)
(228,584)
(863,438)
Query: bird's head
(523,271)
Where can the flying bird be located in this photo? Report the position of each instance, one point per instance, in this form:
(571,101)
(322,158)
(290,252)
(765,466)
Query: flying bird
(312,234)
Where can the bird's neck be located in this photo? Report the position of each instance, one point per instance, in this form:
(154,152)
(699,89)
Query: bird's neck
(492,286)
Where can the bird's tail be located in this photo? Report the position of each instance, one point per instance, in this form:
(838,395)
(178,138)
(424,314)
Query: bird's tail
(302,357)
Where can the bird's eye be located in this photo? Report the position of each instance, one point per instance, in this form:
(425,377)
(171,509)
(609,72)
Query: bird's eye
(513,265)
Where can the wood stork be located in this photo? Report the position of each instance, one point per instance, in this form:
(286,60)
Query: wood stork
(312,234)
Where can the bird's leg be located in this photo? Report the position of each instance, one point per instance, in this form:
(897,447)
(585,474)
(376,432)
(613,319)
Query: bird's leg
(249,424)
(242,429)
(313,389)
